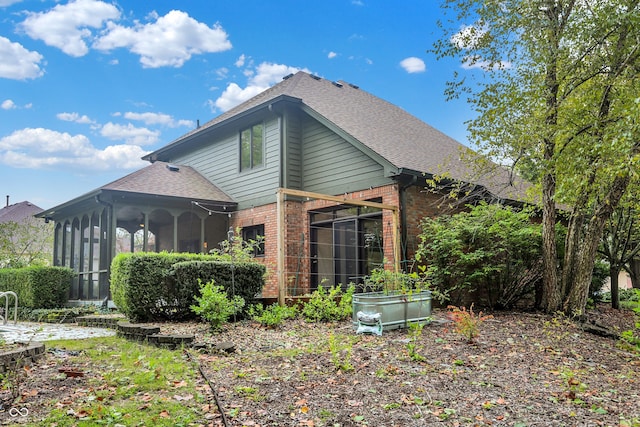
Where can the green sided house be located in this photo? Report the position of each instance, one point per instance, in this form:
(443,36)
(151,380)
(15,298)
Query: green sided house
(332,177)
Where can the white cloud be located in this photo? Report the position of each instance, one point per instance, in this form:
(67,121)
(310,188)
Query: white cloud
(240,61)
(222,73)
(68,26)
(39,148)
(158,119)
(169,41)
(74,117)
(332,55)
(265,75)
(130,134)
(17,62)
(5,3)
(234,95)
(8,104)
(413,65)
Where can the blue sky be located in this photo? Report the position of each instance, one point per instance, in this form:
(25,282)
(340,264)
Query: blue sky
(88,87)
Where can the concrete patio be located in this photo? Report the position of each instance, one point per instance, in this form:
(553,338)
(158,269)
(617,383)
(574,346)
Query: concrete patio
(32,331)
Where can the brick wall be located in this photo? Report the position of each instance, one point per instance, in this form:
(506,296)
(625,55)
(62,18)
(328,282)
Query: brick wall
(267,216)
(297,267)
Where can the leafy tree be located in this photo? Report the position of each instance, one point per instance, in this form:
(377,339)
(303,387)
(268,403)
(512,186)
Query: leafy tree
(620,245)
(236,249)
(559,94)
(28,242)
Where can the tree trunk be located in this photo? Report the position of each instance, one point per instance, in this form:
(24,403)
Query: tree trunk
(572,245)
(634,273)
(576,300)
(615,289)
(551,297)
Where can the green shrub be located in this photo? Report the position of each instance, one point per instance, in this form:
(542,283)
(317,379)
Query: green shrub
(238,279)
(38,287)
(626,295)
(214,306)
(144,288)
(329,305)
(162,286)
(273,315)
(491,251)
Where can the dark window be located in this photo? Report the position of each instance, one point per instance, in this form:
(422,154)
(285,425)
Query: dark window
(254,235)
(346,244)
(251,147)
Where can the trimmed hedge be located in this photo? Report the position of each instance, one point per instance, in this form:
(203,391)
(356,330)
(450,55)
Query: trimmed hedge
(240,279)
(149,286)
(143,288)
(38,287)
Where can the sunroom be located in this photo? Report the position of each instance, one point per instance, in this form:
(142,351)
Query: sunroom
(161,207)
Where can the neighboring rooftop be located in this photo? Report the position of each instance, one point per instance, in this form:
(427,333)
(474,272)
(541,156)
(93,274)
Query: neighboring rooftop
(18,212)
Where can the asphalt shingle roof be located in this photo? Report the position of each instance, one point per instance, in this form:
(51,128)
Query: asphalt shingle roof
(18,212)
(402,139)
(163,179)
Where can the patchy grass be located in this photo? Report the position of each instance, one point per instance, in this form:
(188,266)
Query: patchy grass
(123,383)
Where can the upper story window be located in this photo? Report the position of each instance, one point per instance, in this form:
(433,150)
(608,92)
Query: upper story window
(252,147)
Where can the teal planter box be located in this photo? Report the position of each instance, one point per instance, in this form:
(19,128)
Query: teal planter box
(397,309)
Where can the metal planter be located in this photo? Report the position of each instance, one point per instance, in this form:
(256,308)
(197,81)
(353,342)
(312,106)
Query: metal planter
(397,309)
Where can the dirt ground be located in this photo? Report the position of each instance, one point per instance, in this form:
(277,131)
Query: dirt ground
(525,369)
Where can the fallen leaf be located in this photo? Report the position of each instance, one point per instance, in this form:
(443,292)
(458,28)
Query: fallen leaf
(181,398)
(81,414)
(164,414)
(30,393)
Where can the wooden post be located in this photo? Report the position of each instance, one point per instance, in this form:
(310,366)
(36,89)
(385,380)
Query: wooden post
(281,226)
(395,223)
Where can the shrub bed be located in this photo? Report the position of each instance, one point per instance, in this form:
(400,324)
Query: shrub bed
(162,286)
(245,279)
(37,287)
